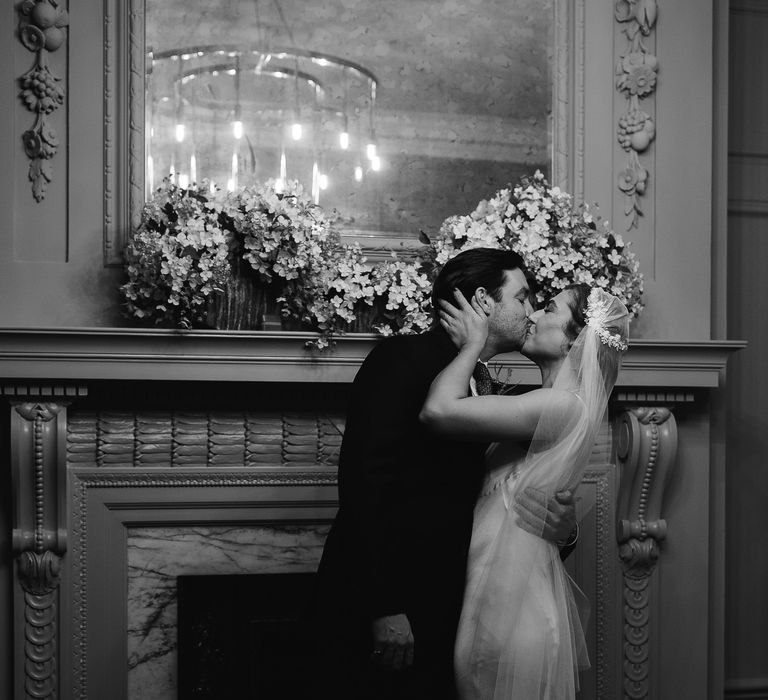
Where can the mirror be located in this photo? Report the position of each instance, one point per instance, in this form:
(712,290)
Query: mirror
(396,114)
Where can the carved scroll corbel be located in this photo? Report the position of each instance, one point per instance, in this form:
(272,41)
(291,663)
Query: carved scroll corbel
(646,452)
(41,30)
(38,465)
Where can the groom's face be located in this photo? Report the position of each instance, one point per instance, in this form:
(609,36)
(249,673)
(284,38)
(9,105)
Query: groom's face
(508,320)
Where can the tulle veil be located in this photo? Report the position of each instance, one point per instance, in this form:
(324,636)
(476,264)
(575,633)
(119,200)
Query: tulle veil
(529,622)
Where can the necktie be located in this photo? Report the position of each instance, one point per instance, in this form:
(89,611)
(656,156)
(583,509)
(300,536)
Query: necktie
(483,381)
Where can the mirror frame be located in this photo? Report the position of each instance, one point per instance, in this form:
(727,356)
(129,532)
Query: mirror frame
(124,119)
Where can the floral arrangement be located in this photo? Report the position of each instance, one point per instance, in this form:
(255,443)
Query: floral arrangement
(192,244)
(402,295)
(178,257)
(560,242)
(348,294)
(282,233)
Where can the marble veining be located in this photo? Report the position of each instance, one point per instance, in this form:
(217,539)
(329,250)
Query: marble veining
(157,555)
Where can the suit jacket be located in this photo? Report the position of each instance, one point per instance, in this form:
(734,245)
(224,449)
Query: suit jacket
(406,497)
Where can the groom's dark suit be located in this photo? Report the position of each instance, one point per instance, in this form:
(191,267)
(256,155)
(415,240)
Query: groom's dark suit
(399,542)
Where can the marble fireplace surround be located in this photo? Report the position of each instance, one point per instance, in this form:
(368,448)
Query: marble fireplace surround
(161,487)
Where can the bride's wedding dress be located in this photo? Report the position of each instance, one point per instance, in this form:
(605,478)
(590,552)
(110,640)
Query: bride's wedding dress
(520,637)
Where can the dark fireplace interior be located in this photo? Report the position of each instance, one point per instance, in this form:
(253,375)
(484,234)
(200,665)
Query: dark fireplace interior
(245,636)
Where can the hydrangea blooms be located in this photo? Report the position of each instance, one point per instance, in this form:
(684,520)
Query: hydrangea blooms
(403,295)
(178,257)
(283,233)
(560,243)
(191,243)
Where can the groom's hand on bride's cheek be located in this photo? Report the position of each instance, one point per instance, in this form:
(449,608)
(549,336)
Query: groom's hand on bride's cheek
(551,517)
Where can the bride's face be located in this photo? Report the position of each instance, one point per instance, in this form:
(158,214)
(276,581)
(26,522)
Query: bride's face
(546,338)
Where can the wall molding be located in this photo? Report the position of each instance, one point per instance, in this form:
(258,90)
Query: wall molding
(748,176)
(82,354)
(746,689)
(568,105)
(123,124)
(752,7)
(748,206)
(604,621)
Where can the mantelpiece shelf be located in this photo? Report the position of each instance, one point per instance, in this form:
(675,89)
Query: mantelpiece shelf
(83,354)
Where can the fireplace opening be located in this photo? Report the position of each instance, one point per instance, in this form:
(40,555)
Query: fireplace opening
(245,636)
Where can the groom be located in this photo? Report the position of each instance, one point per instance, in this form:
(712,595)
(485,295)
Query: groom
(391,579)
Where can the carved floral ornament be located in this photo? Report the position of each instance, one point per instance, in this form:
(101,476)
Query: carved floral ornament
(41,30)
(636,77)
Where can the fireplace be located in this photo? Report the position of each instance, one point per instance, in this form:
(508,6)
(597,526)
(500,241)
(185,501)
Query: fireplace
(139,457)
(245,636)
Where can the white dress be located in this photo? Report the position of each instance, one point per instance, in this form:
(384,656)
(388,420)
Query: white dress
(519,635)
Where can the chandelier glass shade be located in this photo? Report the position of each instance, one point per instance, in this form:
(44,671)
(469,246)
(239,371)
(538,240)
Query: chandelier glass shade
(237,115)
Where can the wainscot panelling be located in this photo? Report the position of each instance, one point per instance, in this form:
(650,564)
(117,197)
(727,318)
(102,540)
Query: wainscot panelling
(746,572)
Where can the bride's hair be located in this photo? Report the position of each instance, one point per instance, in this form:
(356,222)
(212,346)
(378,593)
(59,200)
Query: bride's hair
(608,357)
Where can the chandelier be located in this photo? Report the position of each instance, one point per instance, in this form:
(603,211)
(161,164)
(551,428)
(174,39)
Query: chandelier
(237,115)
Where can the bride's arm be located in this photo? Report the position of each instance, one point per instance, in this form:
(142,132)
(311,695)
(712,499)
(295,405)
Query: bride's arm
(492,418)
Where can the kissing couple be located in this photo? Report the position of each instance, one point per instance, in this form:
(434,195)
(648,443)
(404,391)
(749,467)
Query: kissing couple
(442,575)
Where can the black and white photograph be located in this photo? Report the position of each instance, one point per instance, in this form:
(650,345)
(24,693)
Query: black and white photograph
(383,350)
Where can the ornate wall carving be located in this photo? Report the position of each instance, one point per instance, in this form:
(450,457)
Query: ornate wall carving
(178,439)
(636,74)
(39,530)
(41,30)
(646,451)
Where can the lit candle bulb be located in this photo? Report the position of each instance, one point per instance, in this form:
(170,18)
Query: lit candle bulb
(296,131)
(183,180)
(150,173)
(237,129)
(370,151)
(180,132)
(376,163)
(323,181)
(344,140)
(358,173)
(315,184)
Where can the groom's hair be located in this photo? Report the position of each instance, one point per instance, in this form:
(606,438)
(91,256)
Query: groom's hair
(477,267)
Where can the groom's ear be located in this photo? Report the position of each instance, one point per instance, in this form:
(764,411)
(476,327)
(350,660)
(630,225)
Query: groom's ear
(484,298)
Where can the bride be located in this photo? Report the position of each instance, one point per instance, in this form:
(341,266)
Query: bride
(520,636)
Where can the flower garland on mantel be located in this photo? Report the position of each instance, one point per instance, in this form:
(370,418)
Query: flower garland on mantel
(195,247)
